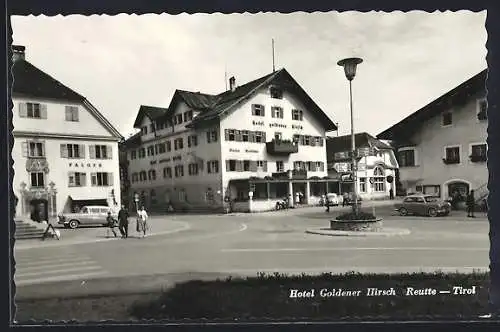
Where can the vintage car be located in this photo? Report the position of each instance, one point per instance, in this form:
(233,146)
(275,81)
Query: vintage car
(424,205)
(331,198)
(88,215)
(349,199)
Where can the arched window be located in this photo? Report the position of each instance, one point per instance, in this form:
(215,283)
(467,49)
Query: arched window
(378,179)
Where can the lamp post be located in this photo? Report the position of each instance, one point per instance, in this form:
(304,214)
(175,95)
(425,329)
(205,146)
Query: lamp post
(350,65)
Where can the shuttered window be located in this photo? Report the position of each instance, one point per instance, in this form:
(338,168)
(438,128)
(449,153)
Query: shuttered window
(77,179)
(71,113)
(101,179)
(33,110)
(101,152)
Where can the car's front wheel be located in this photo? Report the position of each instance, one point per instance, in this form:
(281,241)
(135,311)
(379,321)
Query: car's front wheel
(73,224)
(403,212)
(432,212)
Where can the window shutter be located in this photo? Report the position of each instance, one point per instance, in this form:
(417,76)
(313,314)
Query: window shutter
(43,148)
(23,110)
(311,141)
(68,113)
(251,136)
(227,165)
(64,151)
(43,111)
(71,179)
(264,136)
(83,179)
(82,151)
(93,179)
(264,166)
(92,151)
(322,166)
(76,115)
(253,166)
(239,165)
(321,141)
(208,136)
(226,134)
(215,135)
(263,110)
(109,152)
(25,149)
(110,179)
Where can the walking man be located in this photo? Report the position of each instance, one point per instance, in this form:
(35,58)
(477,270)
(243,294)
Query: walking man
(123,221)
(142,218)
(470,204)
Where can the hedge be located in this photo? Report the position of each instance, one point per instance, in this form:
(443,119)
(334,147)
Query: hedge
(267,296)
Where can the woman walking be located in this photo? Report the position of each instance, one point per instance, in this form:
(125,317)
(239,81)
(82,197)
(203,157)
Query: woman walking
(111,224)
(142,218)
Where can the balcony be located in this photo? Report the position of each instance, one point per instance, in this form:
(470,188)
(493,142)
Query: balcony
(281,147)
(477,158)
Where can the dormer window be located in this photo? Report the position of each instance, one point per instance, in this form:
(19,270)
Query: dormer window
(144,130)
(178,119)
(276,93)
(446,119)
(482,106)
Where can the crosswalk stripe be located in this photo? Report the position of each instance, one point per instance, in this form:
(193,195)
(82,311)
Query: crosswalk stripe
(78,276)
(75,269)
(50,261)
(29,267)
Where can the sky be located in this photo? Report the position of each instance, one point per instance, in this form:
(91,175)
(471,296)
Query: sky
(121,62)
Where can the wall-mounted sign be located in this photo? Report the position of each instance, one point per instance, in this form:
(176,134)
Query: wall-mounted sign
(258,123)
(152,162)
(176,158)
(346,177)
(297,127)
(234,150)
(85,165)
(251,151)
(164,160)
(277,125)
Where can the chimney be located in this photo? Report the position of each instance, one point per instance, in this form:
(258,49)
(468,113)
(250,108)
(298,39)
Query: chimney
(232,83)
(17,52)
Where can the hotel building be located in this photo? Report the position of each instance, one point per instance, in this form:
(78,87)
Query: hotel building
(65,152)
(241,150)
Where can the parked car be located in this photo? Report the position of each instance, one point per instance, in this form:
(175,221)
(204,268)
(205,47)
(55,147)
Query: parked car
(88,215)
(424,205)
(332,199)
(350,199)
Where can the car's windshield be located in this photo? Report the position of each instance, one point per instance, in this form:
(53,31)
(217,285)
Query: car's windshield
(430,199)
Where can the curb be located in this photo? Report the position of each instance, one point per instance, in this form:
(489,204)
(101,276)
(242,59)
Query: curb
(385,232)
(39,245)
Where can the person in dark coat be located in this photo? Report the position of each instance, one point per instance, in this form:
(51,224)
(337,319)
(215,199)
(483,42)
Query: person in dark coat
(123,221)
(470,204)
(391,194)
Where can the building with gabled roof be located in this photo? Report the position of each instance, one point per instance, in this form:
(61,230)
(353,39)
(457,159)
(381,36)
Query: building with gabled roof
(65,151)
(376,166)
(441,148)
(243,149)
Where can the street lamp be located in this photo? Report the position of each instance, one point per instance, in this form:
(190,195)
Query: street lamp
(350,65)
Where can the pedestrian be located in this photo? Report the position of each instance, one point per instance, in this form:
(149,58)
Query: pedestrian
(391,194)
(345,198)
(327,203)
(111,224)
(470,204)
(123,221)
(142,218)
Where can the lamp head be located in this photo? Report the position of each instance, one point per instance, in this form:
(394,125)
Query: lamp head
(350,65)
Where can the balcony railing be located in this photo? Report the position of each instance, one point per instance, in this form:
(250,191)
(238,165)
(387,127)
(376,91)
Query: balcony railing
(477,158)
(281,147)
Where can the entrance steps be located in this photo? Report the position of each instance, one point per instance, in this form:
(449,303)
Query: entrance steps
(27,229)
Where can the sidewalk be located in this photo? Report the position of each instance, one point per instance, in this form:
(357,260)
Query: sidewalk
(98,234)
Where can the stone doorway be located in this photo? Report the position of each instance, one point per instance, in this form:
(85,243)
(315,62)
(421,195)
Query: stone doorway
(39,210)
